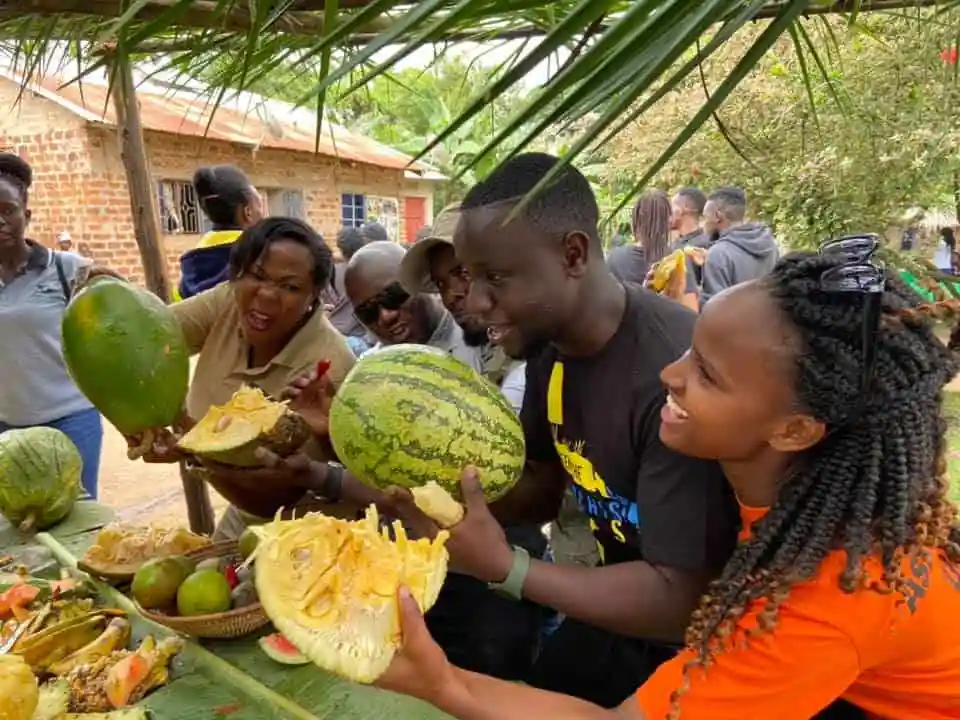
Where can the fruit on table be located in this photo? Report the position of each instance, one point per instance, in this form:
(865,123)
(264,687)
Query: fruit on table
(204,592)
(330,586)
(115,637)
(409,414)
(279,649)
(19,694)
(243,595)
(51,645)
(231,433)
(126,352)
(156,582)
(121,549)
(39,477)
(247,543)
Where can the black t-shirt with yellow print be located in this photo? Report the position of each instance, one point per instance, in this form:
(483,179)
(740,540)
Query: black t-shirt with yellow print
(601,416)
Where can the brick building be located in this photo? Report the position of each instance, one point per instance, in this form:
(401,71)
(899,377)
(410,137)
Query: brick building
(69,137)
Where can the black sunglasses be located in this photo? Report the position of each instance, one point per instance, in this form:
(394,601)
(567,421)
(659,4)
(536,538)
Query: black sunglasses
(858,272)
(392,297)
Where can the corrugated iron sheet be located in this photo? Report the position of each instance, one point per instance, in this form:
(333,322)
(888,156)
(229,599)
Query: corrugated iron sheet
(182,115)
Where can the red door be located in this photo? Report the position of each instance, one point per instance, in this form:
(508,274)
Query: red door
(414,216)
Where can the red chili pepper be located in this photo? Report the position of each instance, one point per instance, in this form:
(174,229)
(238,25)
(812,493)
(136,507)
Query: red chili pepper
(322,368)
(232,578)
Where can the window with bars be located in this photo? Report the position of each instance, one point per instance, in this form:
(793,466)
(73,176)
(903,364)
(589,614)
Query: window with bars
(180,212)
(353,210)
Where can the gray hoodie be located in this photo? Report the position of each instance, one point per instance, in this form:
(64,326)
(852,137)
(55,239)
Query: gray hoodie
(742,253)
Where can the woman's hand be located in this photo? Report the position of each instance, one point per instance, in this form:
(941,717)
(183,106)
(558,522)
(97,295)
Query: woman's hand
(419,668)
(155,445)
(310,397)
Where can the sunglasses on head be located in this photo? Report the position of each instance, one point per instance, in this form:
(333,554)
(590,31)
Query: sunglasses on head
(392,297)
(857,272)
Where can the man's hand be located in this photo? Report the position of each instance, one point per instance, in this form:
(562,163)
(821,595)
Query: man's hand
(155,445)
(310,396)
(419,668)
(477,545)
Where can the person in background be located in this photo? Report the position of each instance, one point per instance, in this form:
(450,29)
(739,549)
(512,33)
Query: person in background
(622,236)
(846,580)
(943,256)
(374,232)
(739,250)
(339,309)
(651,231)
(231,204)
(687,218)
(485,631)
(35,287)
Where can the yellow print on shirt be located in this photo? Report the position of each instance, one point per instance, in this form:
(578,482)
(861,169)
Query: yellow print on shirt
(579,468)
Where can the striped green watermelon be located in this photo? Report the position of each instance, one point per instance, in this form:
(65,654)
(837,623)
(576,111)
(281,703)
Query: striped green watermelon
(409,414)
(39,477)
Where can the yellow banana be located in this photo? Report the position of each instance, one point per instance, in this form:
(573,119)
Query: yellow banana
(115,637)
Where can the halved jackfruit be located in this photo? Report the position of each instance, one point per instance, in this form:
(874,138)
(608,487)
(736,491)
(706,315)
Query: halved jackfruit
(231,433)
(330,586)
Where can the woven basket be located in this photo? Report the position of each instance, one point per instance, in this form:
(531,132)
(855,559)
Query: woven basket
(229,624)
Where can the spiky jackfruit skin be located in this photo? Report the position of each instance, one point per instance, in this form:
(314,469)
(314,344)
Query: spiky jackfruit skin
(231,434)
(330,586)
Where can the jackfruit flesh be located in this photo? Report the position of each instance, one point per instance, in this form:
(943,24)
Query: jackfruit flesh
(437,504)
(665,269)
(19,693)
(330,586)
(231,433)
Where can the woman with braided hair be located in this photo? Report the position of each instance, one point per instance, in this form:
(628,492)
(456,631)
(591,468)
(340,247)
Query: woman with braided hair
(818,388)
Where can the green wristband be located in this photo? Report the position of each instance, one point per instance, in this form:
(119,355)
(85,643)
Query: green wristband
(512,586)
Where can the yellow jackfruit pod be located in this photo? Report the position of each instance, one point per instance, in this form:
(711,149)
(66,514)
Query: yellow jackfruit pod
(663,271)
(437,504)
(231,433)
(330,586)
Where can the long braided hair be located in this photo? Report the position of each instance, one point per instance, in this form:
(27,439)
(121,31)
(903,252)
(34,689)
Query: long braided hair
(875,486)
(651,224)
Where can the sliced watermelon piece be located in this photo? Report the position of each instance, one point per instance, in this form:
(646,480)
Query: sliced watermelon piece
(281,650)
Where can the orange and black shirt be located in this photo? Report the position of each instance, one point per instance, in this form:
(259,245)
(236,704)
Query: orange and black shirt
(896,657)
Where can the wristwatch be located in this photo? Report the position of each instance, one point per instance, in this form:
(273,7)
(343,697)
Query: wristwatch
(331,485)
(512,586)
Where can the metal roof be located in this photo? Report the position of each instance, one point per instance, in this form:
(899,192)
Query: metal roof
(183,113)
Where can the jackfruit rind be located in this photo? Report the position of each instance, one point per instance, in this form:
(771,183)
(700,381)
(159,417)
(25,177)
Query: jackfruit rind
(232,433)
(330,586)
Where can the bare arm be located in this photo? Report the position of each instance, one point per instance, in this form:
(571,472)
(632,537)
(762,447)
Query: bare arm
(536,497)
(480,697)
(639,599)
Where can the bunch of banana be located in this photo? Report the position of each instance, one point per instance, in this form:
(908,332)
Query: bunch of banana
(122,678)
(43,645)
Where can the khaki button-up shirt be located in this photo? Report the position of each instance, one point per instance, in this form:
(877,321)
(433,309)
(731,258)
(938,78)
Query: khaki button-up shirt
(211,325)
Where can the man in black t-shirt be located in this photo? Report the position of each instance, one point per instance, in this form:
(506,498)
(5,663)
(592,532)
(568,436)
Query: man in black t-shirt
(665,524)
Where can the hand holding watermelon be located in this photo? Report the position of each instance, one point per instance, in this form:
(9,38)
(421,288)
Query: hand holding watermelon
(477,545)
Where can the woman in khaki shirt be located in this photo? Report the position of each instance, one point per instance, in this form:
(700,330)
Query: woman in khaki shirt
(265,327)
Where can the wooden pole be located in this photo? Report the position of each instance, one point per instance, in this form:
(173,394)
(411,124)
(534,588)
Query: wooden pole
(143,194)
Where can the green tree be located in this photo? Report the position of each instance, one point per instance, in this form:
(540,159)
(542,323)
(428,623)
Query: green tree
(876,134)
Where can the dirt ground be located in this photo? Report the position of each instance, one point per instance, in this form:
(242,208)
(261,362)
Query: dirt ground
(139,491)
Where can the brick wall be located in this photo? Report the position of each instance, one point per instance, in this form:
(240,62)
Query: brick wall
(80,186)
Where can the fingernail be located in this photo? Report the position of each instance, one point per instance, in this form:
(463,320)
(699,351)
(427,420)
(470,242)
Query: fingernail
(405,594)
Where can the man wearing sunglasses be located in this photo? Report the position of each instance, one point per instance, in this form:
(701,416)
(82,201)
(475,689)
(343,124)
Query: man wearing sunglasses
(485,631)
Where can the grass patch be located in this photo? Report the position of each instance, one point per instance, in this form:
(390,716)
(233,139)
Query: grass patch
(951,407)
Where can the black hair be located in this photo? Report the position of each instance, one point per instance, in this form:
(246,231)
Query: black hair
(948,236)
(566,205)
(876,485)
(222,190)
(349,240)
(651,224)
(254,241)
(374,232)
(731,202)
(17,172)
(695,198)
